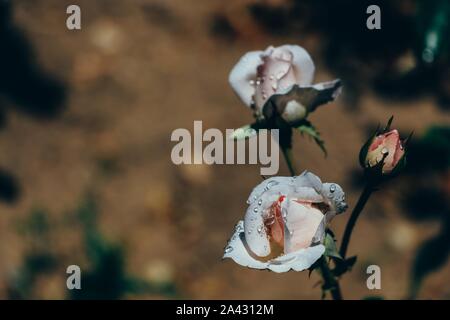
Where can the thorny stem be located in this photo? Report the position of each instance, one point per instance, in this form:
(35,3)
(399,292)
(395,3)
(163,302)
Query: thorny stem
(330,280)
(363,198)
(287,153)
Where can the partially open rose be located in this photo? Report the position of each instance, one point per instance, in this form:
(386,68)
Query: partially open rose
(284,226)
(277,81)
(387,146)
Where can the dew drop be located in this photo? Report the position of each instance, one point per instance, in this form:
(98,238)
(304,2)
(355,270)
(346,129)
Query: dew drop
(270,184)
(260,202)
(228,249)
(332,188)
(255,210)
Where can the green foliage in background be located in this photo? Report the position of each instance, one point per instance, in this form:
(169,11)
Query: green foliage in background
(434,252)
(105,275)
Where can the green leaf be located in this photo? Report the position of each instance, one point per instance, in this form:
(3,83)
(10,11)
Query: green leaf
(307,128)
(373,298)
(342,266)
(365,148)
(431,256)
(433,29)
(330,247)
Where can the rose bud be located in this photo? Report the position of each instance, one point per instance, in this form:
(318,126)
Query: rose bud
(386,147)
(284,226)
(277,82)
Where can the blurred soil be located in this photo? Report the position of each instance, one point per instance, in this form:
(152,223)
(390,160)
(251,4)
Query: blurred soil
(135,72)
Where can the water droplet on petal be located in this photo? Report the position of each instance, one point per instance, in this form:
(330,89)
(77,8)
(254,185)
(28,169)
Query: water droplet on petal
(270,184)
(333,188)
(255,210)
(228,249)
(260,202)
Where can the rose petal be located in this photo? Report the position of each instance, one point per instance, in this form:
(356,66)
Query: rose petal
(244,72)
(303,65)
(298,261)
(302,222)
(309,179)
(274,72)
(390,143)
(237,251)
(376,142)
(280,184)
(255,232)
(335,197)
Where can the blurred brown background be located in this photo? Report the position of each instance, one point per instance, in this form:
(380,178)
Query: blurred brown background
(86,119)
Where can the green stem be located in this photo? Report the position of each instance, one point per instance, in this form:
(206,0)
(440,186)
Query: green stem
(330,280)
(363,198)
(287,153)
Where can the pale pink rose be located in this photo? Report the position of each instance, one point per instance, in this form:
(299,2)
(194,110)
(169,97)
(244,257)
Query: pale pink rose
(386,145)
(282,75)
(284,226)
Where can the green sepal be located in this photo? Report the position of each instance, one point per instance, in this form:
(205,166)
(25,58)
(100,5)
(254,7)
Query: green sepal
(307,128)
(365,149)
(330,247)
(342,266)
(248,130)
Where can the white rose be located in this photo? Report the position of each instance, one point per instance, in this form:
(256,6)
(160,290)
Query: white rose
(283,76)
(284,226)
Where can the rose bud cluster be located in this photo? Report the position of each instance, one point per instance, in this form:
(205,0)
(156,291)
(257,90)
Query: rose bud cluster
(284,226)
